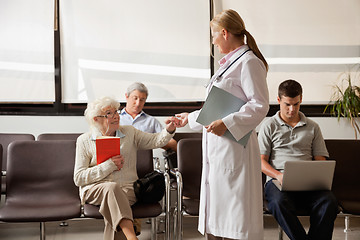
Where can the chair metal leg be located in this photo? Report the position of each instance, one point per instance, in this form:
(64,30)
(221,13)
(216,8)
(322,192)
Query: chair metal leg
(42,231)
(167,206)
(153,229)
(180,227)
(175,224)
(347,224)
(281,233)
(179,206)
(178,221)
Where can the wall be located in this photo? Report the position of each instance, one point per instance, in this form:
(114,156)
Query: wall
(331,128)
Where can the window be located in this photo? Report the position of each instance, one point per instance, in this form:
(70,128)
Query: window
(27,51)
(107,45)
(312,42)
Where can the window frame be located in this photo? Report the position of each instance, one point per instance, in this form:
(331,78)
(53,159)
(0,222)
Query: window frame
(154,108)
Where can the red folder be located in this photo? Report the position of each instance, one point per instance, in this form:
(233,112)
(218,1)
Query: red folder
(107,147)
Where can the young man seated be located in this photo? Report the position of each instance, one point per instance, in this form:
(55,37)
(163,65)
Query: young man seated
(289,135)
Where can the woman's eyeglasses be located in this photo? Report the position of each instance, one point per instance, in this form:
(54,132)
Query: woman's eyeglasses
(110,114)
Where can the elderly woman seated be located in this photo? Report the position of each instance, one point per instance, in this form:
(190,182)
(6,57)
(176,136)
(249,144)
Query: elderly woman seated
(110,184)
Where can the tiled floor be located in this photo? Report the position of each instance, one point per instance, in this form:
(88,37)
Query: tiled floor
(89,229)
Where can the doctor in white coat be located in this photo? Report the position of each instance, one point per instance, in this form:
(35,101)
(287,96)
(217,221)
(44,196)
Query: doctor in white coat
(231,192)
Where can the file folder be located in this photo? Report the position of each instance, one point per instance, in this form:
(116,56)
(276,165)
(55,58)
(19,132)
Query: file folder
(219,104)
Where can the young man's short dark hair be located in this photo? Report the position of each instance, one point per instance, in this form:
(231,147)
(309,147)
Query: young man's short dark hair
(289,88)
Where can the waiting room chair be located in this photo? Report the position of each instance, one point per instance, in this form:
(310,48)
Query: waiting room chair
(5,140)
(188,179)
(40,185)
(346,189)
(58,136)
(182,135)
(144,165)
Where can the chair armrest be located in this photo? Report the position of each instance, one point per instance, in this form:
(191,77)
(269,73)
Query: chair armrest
(179,183)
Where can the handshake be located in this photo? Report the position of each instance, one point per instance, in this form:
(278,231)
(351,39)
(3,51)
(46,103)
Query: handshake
(216,127)
(179,120)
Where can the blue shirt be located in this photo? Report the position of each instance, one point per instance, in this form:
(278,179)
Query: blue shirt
(142,121)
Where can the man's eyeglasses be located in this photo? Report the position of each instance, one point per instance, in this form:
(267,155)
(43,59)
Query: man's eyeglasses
(110,114)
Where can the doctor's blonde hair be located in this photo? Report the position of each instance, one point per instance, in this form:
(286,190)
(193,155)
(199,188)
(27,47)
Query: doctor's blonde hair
(233,23)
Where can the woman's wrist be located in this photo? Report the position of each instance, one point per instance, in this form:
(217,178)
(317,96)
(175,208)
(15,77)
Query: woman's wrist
(171,132)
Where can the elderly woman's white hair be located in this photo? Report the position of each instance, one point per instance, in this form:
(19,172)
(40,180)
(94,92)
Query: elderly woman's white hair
(97,107)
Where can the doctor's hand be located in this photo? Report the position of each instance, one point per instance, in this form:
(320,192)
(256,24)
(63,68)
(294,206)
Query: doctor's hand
(181,119)
(216,127)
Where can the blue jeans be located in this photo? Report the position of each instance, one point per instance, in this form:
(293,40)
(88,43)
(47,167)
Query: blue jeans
(321,206)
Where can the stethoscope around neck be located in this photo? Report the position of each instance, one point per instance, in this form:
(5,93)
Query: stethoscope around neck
(218,77)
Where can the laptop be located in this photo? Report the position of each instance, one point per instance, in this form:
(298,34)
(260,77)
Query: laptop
(307,176)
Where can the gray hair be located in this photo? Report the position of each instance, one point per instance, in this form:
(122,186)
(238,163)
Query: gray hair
(96,108)
(137,86)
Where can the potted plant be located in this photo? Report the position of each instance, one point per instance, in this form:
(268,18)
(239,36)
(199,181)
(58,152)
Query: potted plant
(345,101)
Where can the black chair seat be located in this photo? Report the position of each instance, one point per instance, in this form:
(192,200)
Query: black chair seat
(191,206)
(92,211)
(18,212)
(350,206)
(140,210)
(146,210)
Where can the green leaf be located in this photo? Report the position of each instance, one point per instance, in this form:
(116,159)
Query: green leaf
(346,102)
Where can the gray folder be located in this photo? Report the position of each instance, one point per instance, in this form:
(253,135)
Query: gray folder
(219,104)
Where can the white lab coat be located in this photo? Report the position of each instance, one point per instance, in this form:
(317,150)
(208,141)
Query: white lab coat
(231,193)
